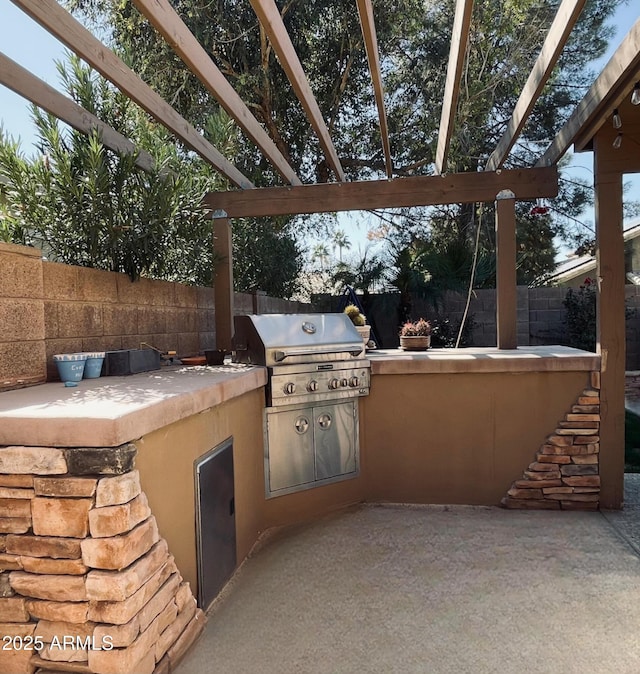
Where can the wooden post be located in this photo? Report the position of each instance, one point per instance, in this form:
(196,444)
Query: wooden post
(506,287)
(610,321)
(223,279)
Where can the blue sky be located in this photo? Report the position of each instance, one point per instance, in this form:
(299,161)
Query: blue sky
(28,44)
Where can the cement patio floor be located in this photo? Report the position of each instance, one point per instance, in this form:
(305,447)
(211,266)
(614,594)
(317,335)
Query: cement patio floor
(432,589)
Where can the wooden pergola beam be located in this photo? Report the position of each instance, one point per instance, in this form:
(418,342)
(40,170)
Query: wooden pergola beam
(459,40)
(603,97)
(176,33)
(365,10)
(271,21)
(55,19)
(27,85)
(400,192)
(563,23)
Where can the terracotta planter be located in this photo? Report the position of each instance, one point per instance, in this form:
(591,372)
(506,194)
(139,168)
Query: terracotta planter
(365,332)
(415,343)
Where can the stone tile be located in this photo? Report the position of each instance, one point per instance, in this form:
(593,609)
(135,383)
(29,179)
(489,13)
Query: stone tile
(15,507)
(118,519)
(120,319)
(151,320)
(171,634)
(119,585)
(44,546)
(47,630)
(72,612)
(60,281)
(13,610)
(159,602)
(10,562)
(19,481)
(14,525)
(101,460)
(51,319)
(117,553)
(191,632)
(79,319)
(21,319)
(116,490)
(119,635)
(65,486)
(122,612)
(54,588)
(65,517)
(22,363)
(186,296)
(5,586)
(97,285)
(21,271)
(69,567)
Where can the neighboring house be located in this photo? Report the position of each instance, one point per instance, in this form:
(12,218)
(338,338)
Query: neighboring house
(572,272)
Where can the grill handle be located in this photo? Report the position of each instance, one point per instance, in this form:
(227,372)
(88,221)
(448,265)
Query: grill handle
(279,356)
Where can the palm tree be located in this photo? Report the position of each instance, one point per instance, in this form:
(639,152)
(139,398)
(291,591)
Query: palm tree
(341,241)
(320,253)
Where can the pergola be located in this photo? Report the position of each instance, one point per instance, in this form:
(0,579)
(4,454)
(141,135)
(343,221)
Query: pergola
(588,128)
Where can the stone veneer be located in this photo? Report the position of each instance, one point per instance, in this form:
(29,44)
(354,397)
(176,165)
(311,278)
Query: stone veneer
(565,474)
(81,558)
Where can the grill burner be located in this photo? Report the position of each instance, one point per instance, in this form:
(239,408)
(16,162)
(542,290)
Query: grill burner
(317,371)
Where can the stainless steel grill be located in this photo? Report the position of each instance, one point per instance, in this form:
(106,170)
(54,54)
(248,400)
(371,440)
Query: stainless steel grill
(317,371)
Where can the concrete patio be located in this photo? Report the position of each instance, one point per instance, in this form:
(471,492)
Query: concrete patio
(434,589)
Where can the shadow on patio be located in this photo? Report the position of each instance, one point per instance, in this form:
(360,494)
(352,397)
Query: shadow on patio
(431,589)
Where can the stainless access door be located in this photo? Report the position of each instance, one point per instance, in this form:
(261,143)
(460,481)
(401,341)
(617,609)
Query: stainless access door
(307,446)
(335,437)
(216,522)
(289,445)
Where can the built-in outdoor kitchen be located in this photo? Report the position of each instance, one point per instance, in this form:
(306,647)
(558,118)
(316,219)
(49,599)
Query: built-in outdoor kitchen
(128,501)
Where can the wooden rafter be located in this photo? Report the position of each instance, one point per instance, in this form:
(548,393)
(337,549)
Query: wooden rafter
(459,40)
(603,97)
(397,193)
(558,34)
(51,16)
(270,19)
(365,10)
(20,80)
(184,43)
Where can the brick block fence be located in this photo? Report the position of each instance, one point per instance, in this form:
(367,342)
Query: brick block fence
(48,308)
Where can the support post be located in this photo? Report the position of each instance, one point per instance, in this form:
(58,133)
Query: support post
(506,287)
(610,322)
(223,279)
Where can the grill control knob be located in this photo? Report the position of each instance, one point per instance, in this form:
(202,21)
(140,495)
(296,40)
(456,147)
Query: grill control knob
(289,388)
(354,382)
(312,386)
(334,383)
(344,382)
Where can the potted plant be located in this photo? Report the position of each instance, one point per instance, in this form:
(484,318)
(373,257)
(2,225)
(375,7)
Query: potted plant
(359,320)
(415,336)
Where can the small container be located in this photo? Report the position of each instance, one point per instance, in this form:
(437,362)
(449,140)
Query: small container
(215,356)
(70,365)
(93,366)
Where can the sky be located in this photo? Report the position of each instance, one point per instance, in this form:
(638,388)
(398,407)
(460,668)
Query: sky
(24,41)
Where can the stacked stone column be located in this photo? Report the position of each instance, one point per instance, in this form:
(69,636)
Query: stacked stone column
(87,584)
(565,474)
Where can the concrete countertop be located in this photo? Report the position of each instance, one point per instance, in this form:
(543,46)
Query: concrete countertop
(482,359)
(111,411)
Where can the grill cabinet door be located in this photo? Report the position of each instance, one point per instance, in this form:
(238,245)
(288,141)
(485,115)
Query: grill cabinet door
(290,448)
(335,434)
(216,522)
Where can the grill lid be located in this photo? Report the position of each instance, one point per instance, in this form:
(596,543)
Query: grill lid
(272,339)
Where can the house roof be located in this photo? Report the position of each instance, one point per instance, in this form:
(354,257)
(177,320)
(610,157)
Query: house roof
(583,264)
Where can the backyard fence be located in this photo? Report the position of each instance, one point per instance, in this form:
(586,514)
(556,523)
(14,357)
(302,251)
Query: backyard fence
(48,308)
